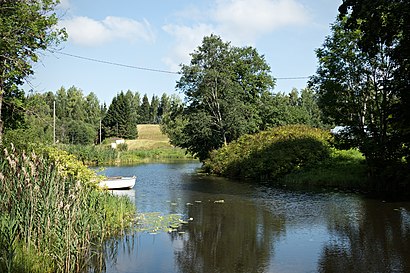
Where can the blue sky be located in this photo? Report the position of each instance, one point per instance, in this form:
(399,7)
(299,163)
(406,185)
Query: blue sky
(160,34)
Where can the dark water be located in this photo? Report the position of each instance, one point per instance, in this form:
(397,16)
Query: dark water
(259,228)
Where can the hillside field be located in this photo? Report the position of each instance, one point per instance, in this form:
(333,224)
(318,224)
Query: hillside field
(149,137)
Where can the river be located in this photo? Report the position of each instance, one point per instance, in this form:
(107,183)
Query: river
(249,227)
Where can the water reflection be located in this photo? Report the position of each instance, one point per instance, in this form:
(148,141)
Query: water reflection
(258,228)
(229,237)
(373,238)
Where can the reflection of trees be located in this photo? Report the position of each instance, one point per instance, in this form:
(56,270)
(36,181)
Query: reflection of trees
(229,238)
(376,241)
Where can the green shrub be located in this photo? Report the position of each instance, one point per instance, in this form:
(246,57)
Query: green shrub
(270,154)
(122,147)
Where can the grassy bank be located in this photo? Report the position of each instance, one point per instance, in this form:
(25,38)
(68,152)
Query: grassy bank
(344,170)
(295,156)
(151,145)
(52,218)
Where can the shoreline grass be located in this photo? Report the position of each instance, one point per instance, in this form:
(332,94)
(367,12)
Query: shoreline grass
(345,170)
(52,218)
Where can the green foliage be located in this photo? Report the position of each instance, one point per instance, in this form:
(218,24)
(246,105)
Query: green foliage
(92,154)
(26,27)
(286,109)
(12,110)
(384,26)
(122,147)
(120,120)
(144,111)
(52,218)
(270,154)
(223,86)
(173,122)
(362,82)
(344,170)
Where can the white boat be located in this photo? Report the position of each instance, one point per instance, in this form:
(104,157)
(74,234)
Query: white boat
(118,182)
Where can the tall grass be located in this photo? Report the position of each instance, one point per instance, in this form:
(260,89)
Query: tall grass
(51,220)
(344,169)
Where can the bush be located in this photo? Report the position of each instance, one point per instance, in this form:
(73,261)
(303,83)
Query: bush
(270,154)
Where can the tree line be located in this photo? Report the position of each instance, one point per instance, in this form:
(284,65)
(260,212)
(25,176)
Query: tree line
(79,118)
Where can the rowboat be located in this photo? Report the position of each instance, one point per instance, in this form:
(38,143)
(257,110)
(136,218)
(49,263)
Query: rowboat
(118,182)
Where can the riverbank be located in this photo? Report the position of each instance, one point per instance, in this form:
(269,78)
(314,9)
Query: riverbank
(291,156)
(52,217)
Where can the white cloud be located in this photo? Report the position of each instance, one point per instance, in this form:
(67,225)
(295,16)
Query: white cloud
(90,32)
(240,21)
(187,40)
(247,20)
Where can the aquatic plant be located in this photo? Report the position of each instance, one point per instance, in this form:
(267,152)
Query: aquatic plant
(52,218)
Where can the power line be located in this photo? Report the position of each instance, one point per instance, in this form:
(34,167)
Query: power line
(151,69)
(117,64)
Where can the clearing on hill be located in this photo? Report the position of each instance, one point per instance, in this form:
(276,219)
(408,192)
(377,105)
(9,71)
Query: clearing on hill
(149,137)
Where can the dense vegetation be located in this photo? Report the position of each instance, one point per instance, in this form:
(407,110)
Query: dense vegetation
(52,218)
(271,154)
(77,117)
(25,28)
(228,94)
(297,156)
(363,84)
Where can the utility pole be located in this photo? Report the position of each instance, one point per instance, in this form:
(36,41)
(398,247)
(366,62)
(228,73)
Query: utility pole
(54,122)
(100,131)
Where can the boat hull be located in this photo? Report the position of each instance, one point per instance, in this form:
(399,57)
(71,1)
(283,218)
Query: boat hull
(116,183)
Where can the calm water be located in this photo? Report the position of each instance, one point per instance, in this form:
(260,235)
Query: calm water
(259,228)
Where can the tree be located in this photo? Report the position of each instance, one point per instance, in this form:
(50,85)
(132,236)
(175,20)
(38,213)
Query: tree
(223,86)
(164,106)
(25,28)
(134,102)
(153,111)
(13,111)
(285,109)
(92,110)
(144,111)
(356,90)
(174,122)
(76,108)
(384,25)
(119,120)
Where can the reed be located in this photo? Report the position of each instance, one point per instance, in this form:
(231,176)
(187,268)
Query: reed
(52,218)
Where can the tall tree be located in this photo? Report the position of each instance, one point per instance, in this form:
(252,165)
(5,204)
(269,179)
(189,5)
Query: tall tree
(223,86)
(92,110)
(144,110)
(76,110)
(385,26)
(119,121)
(134,102)
(25,28)
(153,111)
(355,90)
(164,106)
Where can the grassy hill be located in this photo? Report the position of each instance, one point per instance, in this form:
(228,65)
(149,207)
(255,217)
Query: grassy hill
(151,144)
(149,137)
